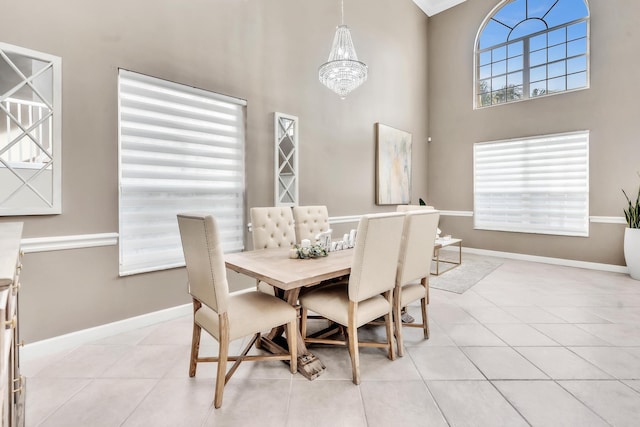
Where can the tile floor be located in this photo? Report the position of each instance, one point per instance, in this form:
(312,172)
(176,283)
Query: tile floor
(530,344)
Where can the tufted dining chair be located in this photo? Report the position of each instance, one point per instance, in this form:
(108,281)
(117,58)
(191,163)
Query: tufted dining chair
(309,221)
(272,227)
(227,317)
(414,268)
(369,291)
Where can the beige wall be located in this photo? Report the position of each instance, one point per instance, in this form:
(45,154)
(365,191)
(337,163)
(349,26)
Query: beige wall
(266,52)
(608,109)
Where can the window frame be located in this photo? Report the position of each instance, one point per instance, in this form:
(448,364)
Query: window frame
(526,63)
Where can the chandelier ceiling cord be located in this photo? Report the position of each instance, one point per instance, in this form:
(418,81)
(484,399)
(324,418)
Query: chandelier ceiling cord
(342,72)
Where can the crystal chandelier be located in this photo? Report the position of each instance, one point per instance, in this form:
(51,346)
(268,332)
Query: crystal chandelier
(342,72)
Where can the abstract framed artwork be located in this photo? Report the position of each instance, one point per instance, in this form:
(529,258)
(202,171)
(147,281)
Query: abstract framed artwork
(393,166)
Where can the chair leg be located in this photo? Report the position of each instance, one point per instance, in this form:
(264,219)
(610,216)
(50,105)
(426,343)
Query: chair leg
(423,304)
(223,354)
(426,285)
(292,341)
(391,343)
(195,340)
(425,318)
(397,319)
(352,333)
(195,349)
(388,321)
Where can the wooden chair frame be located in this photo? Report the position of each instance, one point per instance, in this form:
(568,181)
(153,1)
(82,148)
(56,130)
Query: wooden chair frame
(223,376)
(351,335)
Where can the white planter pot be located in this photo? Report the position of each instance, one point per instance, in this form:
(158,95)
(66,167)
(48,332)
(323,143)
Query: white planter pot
(632,251)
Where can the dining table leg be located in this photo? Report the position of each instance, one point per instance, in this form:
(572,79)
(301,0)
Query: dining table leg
(308,363)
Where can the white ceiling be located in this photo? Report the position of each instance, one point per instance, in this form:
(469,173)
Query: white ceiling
(431,7)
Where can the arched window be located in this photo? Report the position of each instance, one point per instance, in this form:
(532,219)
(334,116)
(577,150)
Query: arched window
(531,48)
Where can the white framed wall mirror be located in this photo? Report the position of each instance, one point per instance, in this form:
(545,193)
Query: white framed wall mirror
(30,132)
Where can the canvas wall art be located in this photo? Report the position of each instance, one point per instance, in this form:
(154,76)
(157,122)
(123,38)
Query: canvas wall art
(393,166)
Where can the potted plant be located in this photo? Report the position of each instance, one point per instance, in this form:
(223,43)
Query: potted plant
(632,235)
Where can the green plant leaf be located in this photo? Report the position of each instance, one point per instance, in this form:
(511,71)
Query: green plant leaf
(632,212)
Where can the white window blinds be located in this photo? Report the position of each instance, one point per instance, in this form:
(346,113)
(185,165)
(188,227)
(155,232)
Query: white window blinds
(533,185)
(181,149)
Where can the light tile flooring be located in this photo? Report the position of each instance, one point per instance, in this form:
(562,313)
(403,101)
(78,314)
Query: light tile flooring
(530,344)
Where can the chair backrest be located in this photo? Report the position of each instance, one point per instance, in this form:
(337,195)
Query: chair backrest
(416,250)
(407,208)
(205,260)
(375,260)
(272,227)
(309,221)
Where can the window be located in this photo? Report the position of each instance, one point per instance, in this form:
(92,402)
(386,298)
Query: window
(533,185)
(30,132)
(531,48)
(181,149)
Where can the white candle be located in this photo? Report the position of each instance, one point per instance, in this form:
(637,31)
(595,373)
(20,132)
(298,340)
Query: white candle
(305,243)
(352,238)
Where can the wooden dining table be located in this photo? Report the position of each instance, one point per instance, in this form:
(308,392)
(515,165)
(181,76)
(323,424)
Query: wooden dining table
(289,276)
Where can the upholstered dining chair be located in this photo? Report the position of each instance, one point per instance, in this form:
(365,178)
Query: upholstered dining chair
(309,221)
(272,227)
(407,208)
(414,268)
(370,288)
(406,317)
(227,317)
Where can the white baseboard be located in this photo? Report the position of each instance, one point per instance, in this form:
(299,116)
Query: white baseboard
(73,339)
(64,342)
(547,260)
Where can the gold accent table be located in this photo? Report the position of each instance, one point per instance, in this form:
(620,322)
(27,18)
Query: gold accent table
(441,243)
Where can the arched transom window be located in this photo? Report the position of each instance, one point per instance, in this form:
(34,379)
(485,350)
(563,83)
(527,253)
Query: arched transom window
(531,48)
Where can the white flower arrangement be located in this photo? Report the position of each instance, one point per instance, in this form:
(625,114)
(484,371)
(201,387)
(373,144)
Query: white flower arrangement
(312,251)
